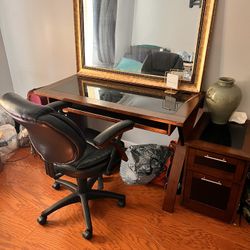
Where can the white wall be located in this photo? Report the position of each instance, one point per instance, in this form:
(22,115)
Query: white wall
(166,23)
(123,30)
(40,48)
(39,41)
(5,78)
(229,51)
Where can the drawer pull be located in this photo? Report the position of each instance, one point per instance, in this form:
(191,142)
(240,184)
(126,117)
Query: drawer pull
(216,159)
(214,182)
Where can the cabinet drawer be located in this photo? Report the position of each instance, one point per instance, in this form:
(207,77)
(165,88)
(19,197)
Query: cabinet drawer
(210,195)
(218,165)
(210,190)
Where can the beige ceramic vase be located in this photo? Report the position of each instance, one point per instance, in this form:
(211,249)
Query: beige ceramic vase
(222,99)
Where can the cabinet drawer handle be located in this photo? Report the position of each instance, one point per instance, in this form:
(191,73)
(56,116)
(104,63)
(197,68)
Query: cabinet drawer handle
(214,182)
(216,159)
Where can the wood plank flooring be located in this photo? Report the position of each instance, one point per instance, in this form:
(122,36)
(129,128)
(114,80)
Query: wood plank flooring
(25,190)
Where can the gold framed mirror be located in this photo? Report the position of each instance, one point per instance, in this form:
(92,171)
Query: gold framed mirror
(125,58)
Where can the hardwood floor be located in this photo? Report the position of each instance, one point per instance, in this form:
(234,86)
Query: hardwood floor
(25,190)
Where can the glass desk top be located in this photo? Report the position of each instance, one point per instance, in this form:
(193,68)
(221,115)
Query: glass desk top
(139,97)
(113,101)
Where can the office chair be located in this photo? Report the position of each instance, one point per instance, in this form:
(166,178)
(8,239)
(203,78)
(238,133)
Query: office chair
(62,146)
(157,63)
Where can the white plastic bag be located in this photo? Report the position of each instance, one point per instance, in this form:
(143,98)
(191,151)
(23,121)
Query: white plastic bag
(5,118)
(8,141)
(144,163)
(23,137)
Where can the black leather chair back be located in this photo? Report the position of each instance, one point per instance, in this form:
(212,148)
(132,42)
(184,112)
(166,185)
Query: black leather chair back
(55,137)
(158,63)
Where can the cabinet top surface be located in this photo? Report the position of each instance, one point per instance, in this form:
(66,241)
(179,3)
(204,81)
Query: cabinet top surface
(232,139)
(229,135)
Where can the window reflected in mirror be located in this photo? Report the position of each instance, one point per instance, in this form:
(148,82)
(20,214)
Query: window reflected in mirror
(141,36)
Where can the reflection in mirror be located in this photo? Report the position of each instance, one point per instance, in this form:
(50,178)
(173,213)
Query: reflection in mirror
(141,36)
(153,102)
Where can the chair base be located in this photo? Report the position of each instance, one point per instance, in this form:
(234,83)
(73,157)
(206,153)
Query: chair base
(82,192)
(73,187)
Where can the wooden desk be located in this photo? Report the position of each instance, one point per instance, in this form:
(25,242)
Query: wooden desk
(145,106)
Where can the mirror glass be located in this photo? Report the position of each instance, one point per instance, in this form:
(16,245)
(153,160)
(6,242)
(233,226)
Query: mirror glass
(141,36)
(138,41)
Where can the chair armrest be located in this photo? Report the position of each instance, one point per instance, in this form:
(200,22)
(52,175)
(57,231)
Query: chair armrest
(58,105)
(110,133)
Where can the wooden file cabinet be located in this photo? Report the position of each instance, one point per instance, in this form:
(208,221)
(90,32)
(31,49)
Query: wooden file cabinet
(216,165)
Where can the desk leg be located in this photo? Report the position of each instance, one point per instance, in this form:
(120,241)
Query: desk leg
(177,164)
(173,180)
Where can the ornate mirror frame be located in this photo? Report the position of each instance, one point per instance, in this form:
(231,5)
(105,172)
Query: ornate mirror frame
(207,16)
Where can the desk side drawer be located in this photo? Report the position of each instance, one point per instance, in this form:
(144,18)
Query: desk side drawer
(218,165)
(210,195)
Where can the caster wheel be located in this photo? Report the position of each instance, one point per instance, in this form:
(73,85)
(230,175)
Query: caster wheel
(56,186)
(121,203)
(42,219)
(87,234)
